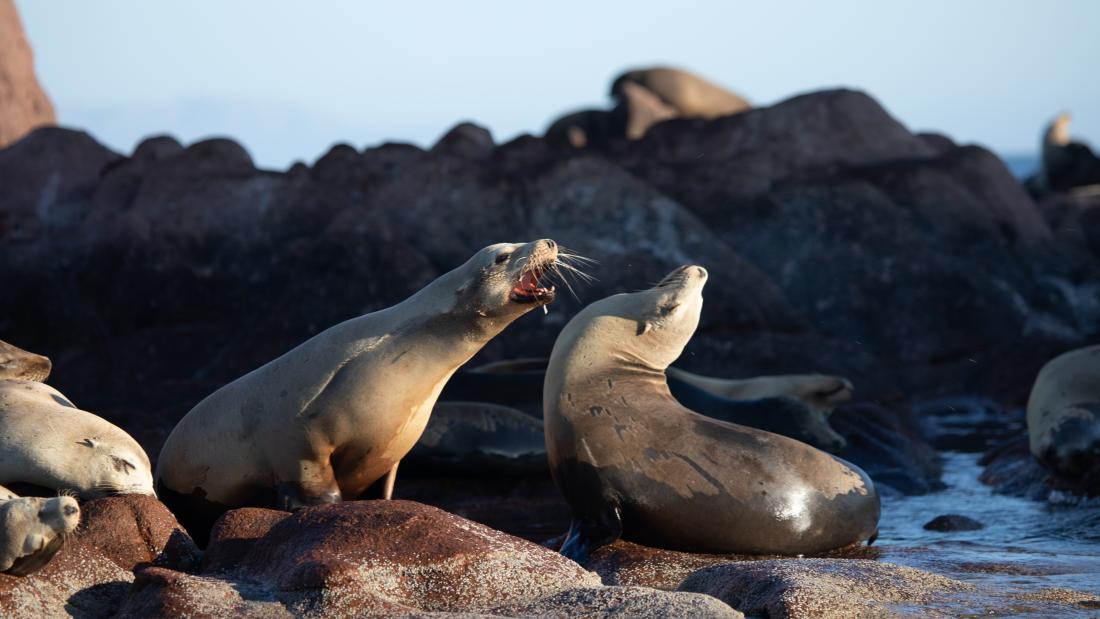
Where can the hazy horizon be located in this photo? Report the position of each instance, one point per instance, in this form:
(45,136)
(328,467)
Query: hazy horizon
(288,83)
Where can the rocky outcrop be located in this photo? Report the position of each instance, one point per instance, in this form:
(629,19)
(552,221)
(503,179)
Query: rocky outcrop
(837,242)
(23,104)
(91,575)
(387,557)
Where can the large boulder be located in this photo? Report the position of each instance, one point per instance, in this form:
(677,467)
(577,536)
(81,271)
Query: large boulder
(91,575)
(387,557)
(23,104)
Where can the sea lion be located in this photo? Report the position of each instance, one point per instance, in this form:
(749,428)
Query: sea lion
(478,437)
(1063,417)
(47,441)
(1065,163)
(797,406)
(632,462)
(688,94)
(7,495)
(32,530)
(330,417)
(21,364)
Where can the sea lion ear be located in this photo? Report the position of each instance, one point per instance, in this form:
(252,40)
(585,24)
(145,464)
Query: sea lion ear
(644,325)
(88,442)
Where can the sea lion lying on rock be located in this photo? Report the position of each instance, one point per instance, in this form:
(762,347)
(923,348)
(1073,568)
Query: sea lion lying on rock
(32,530)
(46,441)
(21,364)
(631,461)
(797,406)
(1063,417)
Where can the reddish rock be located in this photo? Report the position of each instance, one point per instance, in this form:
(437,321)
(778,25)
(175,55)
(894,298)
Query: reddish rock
(826,588)
(23,104)
(385,558)
(91,575)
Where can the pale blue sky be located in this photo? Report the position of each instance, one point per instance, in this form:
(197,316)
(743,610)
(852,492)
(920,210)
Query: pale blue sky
(289,79)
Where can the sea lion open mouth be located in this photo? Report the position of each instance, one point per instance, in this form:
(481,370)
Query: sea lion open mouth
(528,290)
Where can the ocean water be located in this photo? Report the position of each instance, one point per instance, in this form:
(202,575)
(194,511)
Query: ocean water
(1021,165)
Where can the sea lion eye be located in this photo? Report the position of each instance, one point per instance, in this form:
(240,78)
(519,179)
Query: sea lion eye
(503,257)
(668,309)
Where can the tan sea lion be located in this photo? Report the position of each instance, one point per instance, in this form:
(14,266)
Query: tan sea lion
(6,495)
(820,391)
(32,530)
(330,417)
(18,363)
(1065,163)
(688,94)
(632,462)
(1063,416)
(47,441)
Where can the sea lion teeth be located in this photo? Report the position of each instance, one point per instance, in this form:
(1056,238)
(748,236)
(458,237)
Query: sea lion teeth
(330,417)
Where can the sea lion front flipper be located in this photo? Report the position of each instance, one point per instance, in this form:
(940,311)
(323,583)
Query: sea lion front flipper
(585,536)
(391,478)
(31,563)
(291,496)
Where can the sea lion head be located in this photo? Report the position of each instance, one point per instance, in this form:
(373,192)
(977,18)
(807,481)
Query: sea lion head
(33,530)
(649,327)
(115,467)
(506,280)
(19,364)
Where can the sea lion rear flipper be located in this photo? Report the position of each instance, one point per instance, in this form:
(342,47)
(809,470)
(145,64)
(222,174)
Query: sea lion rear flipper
(585,536)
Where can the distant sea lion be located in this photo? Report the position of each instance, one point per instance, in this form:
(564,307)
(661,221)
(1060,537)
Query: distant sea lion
(45,440)
(1063,416)
(1065,163)
(686,93)
(32,530)
(18,363)
(632,462)
(478,437)
(330,417)
(797,406)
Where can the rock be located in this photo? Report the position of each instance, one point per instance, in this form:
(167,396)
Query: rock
(23,104)
(825,588)
(1011,469)
(817,210)
(888,446)
(466,140)
(368,557)
(952,522)
(91,575)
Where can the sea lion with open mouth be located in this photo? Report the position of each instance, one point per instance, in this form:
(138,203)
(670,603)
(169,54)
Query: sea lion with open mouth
(633,462)
(327,419)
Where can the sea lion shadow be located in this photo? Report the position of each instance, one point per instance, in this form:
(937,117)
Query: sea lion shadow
(90,601)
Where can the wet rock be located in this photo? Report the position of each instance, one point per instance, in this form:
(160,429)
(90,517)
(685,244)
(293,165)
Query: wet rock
(825,588)
(1011,469)
(887,445)
(23,104)
(952,522)
(91,575)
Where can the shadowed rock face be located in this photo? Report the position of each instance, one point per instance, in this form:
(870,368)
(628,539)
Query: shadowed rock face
(837,242)
(23,104)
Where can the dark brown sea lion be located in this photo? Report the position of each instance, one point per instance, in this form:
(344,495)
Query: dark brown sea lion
(631,461)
